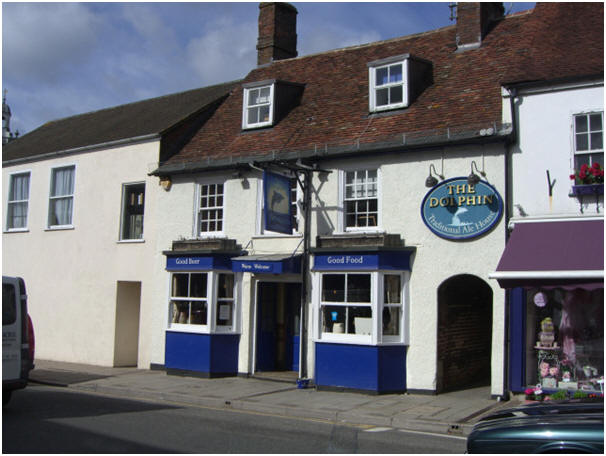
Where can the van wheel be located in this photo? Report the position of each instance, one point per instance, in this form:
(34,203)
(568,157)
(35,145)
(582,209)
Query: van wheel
(6,396)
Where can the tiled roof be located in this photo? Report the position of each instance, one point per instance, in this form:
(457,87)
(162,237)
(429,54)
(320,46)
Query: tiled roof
(554,40)
(152,116)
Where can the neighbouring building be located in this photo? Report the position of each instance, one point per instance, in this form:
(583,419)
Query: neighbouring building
(553,264)
(380,279)
(80,217)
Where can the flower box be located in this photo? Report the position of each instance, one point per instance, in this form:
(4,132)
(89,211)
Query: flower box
(588,189)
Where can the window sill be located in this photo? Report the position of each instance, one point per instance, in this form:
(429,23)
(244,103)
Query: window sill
(277,236)
(217,235)
(17,230)
(355,340)
(363,230)
(60,228)
(192,329)
(131,241)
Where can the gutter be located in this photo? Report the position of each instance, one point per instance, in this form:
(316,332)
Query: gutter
(351,150)
(59,153)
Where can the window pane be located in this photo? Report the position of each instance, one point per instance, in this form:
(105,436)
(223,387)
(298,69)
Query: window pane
(395,73)
(580,123)
(198,313)
(264,95)
(226,286)
(597,158)
(253,115)
(197,286)
(333,319)
(60,212)
(382,97)
(180,285)
(264,114)
(225,313)
(19,189)
(253,96)
(358,288)
(381,76)
(62,182)
(359,320)
(596,141)
(595,122)
(391,321)
(391,289)
(333,287)
(582,142)
(179,312)
(349,177)
(395,95)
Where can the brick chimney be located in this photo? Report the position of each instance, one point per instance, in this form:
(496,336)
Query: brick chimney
(277,32)
(474,21)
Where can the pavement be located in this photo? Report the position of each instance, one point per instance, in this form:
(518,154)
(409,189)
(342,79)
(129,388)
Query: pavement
(450,413)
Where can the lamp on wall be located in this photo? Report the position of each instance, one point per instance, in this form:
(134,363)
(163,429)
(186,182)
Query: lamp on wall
(431,181)
(473,178)
(166,183)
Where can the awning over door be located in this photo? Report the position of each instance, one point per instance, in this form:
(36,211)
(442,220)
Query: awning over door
(566,254)
(268,264)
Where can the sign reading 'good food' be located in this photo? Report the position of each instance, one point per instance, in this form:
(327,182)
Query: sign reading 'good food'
(457,210)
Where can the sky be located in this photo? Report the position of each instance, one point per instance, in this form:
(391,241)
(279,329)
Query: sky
(62,59)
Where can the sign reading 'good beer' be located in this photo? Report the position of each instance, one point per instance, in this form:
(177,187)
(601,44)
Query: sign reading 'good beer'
(457,210)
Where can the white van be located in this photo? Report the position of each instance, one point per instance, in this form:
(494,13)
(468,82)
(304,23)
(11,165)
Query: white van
(17,337)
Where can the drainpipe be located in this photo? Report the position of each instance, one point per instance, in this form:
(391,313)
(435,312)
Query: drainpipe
(305,273)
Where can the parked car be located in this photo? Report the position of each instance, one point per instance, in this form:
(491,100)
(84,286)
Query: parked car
(572,426)
(18,342)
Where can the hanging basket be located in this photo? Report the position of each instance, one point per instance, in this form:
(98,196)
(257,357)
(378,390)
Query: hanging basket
(588,189)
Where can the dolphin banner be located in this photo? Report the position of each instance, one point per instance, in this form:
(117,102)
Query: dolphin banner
(276,202)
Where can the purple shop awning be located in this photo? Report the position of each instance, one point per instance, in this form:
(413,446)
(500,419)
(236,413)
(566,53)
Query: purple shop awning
(564,254)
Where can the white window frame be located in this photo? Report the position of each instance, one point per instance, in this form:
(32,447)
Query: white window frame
(212,302)
(246,122)
(298,204)
(52,198)
(589,151)
(25,202)
(123,213)
(199,234)
(376,305)
(342,222)
(372,83)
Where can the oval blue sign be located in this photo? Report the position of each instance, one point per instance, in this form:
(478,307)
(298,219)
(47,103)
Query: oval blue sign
(457,210)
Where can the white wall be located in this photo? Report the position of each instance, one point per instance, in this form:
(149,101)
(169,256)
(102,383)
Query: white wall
(72,275)
(545,126)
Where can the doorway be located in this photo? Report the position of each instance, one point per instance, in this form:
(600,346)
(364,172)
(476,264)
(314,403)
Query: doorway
(126,337)
(278,317)
(464,333)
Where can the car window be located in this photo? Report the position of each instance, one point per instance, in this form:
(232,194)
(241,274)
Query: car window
(9,306)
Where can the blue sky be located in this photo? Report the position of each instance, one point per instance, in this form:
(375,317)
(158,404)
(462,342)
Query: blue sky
(61,59)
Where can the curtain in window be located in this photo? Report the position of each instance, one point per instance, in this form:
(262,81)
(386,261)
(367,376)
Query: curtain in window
(18,198)
(61,194)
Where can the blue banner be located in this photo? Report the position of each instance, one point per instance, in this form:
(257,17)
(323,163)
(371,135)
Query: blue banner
(277,203)
(395,261)
(198,263)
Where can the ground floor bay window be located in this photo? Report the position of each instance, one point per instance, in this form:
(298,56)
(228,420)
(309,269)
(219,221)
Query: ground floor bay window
(361,308)
(202,334)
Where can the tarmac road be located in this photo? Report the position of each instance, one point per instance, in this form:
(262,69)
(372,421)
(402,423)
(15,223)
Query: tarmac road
(46,419)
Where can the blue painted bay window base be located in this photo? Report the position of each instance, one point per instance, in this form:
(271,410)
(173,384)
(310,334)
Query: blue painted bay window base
(202,355)
(361,368)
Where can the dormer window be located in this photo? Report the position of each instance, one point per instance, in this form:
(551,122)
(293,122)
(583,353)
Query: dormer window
(258,106)
(395,82)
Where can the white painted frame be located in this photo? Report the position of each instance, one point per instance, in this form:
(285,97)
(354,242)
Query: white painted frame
(372,84)
(8,202)
(342,222)
(122,213)
(246,124)
(198,234)
(574,137)
(50,198)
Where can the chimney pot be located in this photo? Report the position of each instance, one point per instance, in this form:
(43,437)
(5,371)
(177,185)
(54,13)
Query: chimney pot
(277,32)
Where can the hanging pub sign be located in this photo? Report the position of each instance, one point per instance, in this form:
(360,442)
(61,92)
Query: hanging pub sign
(457,210)
(276,201)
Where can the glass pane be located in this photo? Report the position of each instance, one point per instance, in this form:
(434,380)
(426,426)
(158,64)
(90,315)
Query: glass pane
(264,95)
(391,321)
(198,286)
(219,201)
(226,286)
(580,124)
(595,122)
(358,288)
(62,182)
(253,115)
(350,220)
(333,287)
(179,312)
(264,113)
(395,94)
(253,96)
(204,190)
(349,177)
(225,313)
(198,313)
(596,141)
(333,319)
(582,142)
(391,289)
(180,285)
(580,160)
(395,73)
(597,158)
(381,75)
(382,97)
(219,189)
(359,320)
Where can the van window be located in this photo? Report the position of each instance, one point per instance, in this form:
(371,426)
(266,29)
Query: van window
(9,305)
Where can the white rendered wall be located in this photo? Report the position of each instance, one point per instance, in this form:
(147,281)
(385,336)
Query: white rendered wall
(545,129)
(72,275)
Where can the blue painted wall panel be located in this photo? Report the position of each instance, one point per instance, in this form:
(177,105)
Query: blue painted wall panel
(208,353)
(517,339)
(392,368)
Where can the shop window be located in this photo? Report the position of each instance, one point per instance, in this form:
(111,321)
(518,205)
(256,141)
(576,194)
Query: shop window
(18,202)
(210,209)
(361,199)
(588,140)
(133,203)
(565,339)
(61,199)
(350,304)
(203,301)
